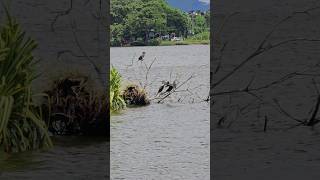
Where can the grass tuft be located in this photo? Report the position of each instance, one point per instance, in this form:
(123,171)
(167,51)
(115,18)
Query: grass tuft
(21,125)
(134,95)
(116,101)
(76,110)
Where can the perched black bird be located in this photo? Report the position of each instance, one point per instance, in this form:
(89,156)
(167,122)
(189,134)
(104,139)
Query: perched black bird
(165,83)
(170,88)
(160,89)
(142,56)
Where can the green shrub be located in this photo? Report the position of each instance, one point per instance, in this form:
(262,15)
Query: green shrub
(154,42)
(21,124)
(116,101)
(137,43)
(201,36)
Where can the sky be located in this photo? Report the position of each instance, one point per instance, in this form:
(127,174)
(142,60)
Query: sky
(205,1)
(190,5)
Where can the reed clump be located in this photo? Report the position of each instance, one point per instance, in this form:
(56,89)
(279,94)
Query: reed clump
(74,109)
(134,95)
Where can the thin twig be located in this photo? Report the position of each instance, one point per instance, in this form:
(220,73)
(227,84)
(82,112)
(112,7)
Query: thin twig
(285,112)
(97,70)
(265,124)
(313,121)
(147,73)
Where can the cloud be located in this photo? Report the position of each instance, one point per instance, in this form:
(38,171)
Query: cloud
(205,1)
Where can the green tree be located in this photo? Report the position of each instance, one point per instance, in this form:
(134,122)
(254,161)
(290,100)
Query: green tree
(117,31)
(119,11)
(177,21)
(207,17)
(134,19)
(199,24)
(146,17)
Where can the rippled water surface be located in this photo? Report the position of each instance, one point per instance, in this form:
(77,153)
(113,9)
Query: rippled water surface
(72,158)
(169,140)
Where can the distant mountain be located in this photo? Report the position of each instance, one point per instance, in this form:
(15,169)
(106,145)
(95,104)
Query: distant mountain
(189,5)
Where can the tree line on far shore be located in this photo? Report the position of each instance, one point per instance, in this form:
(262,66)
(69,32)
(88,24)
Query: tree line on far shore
(146,22)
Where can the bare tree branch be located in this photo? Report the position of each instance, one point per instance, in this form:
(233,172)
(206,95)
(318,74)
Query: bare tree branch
(262,48)
(258,52)
(285,112)
(97,70)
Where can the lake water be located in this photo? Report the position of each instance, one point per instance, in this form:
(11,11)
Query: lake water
(73,158)
(168,140)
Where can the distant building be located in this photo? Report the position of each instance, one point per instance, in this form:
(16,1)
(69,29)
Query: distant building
(165,37)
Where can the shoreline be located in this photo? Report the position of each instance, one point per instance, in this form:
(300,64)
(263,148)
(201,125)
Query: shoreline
(188,42)
(175,43)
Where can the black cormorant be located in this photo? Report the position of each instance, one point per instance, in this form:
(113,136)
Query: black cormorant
(142,56)
(171,86)
(165,83)
(160,89)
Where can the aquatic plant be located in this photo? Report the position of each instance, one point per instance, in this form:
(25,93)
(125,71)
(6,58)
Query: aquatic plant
(21,124)
(134,95)
(75,109)
(116,101)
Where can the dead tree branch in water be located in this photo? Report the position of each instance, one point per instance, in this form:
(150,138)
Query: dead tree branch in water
(285,112)
(264,47)
(220,29)
(266,86)
(258,52)
(313,121)
(217,41)
(82,50)
(175,90)
(148,68)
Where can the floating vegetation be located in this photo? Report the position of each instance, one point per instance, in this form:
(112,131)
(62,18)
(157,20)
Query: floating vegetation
(134,95)
(74,109)
(116,101)
(21,125)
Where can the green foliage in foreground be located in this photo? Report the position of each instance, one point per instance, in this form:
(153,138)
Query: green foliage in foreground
(21,124)
(116,101)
